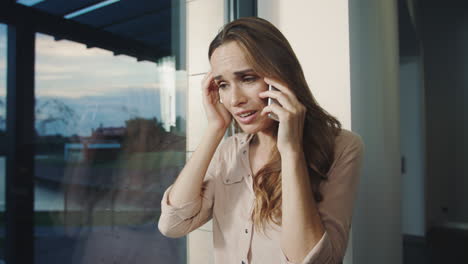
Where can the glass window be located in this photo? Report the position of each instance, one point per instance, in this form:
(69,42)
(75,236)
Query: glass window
(110,138)
(3,63)
(29,2)
(3,44)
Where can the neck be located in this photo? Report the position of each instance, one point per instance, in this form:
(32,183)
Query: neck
(264,140)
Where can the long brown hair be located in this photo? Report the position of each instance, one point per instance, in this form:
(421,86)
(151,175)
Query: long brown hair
(270,55)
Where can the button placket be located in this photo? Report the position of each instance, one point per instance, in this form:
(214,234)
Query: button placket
(245,240)
(246,236)
(246,162)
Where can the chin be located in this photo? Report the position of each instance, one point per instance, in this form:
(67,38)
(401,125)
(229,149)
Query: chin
(250,129)
(264,126)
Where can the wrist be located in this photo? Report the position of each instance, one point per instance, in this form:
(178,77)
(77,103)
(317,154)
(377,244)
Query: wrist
(292,152)
(215,132)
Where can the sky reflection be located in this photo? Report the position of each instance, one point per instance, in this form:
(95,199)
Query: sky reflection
(100,88)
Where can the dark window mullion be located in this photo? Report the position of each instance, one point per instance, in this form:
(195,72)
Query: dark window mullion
(241,8)
(20,148)
(3,145)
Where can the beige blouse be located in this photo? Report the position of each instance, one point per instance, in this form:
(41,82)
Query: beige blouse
(228,198)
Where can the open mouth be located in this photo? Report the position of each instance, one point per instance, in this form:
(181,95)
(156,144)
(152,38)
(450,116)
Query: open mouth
(247,114)
(248,117)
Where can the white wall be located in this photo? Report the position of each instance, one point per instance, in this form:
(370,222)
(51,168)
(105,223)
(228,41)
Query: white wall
(204,19)
(318,33)
(412,146)
(375,116)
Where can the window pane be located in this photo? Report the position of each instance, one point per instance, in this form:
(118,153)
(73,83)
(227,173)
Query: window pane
(110,137)
(2,133)
(2,208)
(3,50)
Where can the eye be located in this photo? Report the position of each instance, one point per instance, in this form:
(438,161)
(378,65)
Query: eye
(249,78)
(221,85)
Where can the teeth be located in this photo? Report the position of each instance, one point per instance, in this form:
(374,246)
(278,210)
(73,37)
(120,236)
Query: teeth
(247,114)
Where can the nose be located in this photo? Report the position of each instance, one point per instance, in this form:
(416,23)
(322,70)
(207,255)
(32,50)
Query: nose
(238,97)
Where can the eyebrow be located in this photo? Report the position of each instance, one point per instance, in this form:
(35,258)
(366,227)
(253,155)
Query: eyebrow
(235,73)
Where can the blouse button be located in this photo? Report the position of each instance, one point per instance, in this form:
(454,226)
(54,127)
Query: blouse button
(244,151)
(242,262)
(246,231)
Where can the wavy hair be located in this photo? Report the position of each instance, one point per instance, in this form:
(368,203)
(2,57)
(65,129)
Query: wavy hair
(270,54)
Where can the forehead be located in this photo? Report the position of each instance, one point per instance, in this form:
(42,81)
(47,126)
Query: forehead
(228,58)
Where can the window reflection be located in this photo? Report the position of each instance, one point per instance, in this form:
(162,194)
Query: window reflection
(110,137)
(3,50)
(2,133)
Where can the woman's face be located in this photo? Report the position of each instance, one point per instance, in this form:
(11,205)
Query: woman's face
(239,87)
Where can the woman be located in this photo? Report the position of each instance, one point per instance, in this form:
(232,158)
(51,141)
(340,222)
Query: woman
(279,192)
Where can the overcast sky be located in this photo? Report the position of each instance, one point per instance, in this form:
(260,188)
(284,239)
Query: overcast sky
(100,87)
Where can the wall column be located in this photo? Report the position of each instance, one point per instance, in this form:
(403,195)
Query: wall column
(204,19)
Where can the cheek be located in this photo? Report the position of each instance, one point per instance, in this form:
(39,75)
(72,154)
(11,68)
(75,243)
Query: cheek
(261,88)
(223,97)
(263,101)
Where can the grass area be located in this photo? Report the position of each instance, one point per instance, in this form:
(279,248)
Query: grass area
(146,160)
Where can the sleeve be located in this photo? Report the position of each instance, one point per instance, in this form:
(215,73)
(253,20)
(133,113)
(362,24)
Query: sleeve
(179,221)
(336,209)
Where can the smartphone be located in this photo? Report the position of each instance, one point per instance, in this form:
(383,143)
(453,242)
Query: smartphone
(272,101)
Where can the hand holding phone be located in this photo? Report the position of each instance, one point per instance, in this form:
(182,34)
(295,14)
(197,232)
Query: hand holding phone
(272,101)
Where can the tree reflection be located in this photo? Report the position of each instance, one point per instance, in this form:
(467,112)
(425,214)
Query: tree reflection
(54,111)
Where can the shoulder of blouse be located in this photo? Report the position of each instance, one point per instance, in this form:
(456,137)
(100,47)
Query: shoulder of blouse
(229,146)
(348,141)
(348,146)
